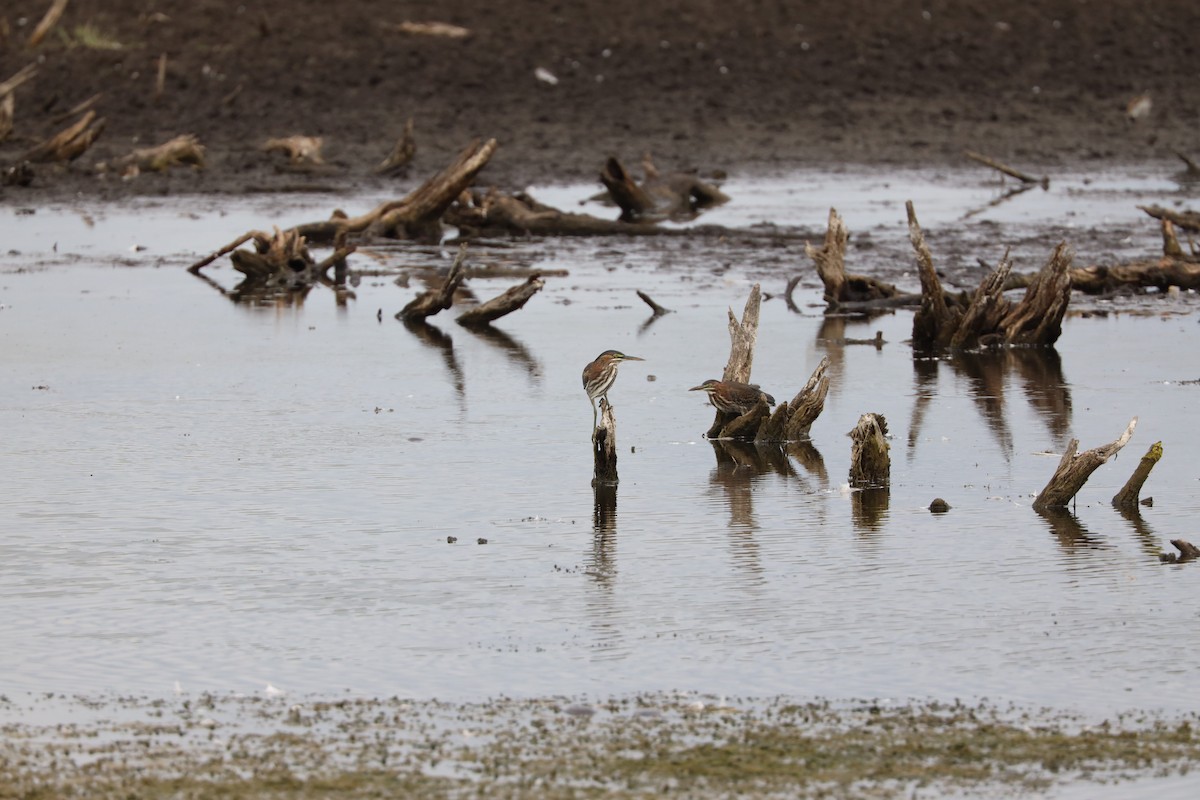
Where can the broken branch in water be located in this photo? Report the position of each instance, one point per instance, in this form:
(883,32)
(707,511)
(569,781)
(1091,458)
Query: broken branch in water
(655,307)
(1074,470)
(505,303)
(1044,181)
(1128,496)
(431,302)
(1187,552)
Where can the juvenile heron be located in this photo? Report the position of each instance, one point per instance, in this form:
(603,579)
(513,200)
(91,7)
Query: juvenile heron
(598,376)
(733,397)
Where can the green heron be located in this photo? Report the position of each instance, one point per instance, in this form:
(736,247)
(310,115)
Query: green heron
(598,376)
(733,397)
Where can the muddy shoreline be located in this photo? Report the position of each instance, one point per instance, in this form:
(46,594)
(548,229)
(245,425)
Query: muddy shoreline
(732,87)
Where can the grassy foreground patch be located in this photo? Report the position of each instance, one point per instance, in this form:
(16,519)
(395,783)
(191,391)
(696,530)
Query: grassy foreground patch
(642,746)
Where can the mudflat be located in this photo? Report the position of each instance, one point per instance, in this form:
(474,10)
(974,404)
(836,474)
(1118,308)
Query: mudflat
(707,85)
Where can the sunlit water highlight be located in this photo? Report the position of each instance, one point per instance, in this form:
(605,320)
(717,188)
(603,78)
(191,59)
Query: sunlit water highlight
(225,497)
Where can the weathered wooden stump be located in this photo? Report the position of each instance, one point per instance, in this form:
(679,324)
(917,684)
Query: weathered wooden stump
(842,287)
(989,318)
(870,460)
(604,446)
(1074,470)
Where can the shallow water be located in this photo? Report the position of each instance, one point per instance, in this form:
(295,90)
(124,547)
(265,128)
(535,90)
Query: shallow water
(219,496)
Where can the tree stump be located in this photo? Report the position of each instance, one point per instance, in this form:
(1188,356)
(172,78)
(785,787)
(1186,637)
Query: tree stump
(1074,470)
(870,461)
(989,318)
(830,260)
(792,420)
(604,446)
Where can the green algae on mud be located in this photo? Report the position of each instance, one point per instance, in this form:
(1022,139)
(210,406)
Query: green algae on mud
(637,746)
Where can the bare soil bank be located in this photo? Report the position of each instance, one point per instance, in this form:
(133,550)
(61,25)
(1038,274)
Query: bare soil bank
(711,84)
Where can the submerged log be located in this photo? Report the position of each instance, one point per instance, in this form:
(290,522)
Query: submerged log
(604,446)
(870,461)
(1074,470)
(830,260)
(506,303)
(431,302)
(1128,496)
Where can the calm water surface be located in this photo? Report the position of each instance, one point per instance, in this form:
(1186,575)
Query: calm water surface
(200,493)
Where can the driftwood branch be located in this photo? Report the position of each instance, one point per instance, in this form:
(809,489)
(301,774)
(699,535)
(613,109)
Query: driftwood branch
(7,101)
(184,150)
(402,153)
(870,461)
(674,195)
(300,150)
(1044,182)
(53,15)
(1187,552)
(604,446)
(10,84)
(1160,273)
(1191,168)
(416,216)
(431,302)
(1074,470)
(1188,220)
(654,307)
(1128,496)
(506,303)
(69,143)
(632,199)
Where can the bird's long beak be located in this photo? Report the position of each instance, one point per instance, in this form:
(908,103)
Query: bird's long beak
(697,388)
(632,358)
